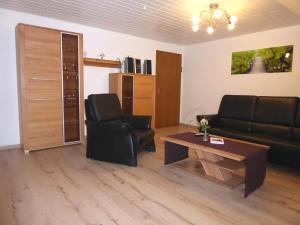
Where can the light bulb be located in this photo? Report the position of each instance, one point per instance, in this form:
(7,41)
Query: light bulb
(218,13)
(195,27)
(231,26)
(233,19)
(210,30)
(196,19)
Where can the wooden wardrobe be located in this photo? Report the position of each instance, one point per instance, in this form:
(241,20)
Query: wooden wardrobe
(136,93)
(50,78)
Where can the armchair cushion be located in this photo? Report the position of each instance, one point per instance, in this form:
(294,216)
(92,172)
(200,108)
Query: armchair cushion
(138,122)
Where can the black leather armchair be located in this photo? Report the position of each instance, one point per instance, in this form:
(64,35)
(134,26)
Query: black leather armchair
(113,137)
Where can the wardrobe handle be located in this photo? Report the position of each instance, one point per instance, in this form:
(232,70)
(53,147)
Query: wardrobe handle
(44,99)
(44,79)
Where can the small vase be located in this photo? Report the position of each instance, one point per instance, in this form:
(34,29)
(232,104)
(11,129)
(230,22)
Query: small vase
(205,136)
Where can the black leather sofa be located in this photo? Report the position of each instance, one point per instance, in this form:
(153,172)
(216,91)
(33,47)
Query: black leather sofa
(273,121)
(112,136)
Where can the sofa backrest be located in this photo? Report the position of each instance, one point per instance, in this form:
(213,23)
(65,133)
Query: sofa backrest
(274,115)
(296,130)
(237,111)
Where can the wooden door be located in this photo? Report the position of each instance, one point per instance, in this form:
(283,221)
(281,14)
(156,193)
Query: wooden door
(40,84)
(168,83)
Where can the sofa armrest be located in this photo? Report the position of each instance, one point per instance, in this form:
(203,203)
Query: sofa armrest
(138,122)
(112,141)
(213,119)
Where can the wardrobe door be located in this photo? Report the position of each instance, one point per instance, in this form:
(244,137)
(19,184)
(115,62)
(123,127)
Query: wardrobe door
(127,94)
(144,95)
(40,83)
(71,118)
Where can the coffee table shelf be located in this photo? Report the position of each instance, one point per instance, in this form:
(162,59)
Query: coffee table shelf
(232,183)
(226,164)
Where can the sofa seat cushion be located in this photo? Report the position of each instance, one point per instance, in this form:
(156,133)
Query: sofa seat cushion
(144,137)
(296,129)
(241,125)
(231,133)
(279,131)
(257,138)
(296,133)
(282,149)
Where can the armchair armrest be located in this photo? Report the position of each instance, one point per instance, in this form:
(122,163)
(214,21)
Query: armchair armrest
(111,141)
(138,122)
(212,118)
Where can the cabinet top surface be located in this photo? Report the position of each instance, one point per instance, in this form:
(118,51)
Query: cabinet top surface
(133,74)
(47,28)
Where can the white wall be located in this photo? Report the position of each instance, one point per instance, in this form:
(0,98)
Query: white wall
(207,72)
(114,45)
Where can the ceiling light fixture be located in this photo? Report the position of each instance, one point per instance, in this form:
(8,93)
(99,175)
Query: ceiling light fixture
(213,16)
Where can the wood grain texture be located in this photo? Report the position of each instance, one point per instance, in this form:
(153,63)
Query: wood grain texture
(40,86)
(228,155)
(143,94)
(40,83)
(61,186)
(81,89)
(101,63)
(168,85)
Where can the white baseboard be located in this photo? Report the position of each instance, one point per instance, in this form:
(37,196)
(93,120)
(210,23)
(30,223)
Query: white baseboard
(9,147)
(187,125)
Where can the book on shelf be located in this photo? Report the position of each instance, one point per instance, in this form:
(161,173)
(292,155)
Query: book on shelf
(217,140)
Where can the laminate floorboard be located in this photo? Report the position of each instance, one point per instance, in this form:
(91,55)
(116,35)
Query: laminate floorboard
(60,186)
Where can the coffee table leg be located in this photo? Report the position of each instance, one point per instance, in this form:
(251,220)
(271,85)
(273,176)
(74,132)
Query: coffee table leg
(209,162)
(175,152)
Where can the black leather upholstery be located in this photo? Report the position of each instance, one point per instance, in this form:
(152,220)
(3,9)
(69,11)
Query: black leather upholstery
(240,107)
(113,137)
(272,129)
(237,111)
(276,110)
(296,129)
(273,121)
(105,106)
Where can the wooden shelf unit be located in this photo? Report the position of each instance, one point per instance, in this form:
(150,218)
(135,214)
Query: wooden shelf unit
(50,77)
(136,93)
(102,63)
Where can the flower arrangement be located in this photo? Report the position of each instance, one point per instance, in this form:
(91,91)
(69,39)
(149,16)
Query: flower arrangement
(203,125)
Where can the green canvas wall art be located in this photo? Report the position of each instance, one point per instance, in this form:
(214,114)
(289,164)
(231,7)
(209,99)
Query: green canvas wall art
(265,60)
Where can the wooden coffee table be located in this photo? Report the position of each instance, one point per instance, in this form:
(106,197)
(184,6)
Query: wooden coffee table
(219,165)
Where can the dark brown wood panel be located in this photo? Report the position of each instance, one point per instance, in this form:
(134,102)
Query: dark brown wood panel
(71,87)
(168,83)
(127,94)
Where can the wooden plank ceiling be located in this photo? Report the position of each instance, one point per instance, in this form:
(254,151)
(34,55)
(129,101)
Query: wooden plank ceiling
(164,20)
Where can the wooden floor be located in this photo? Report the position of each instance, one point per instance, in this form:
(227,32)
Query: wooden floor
(60,186)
